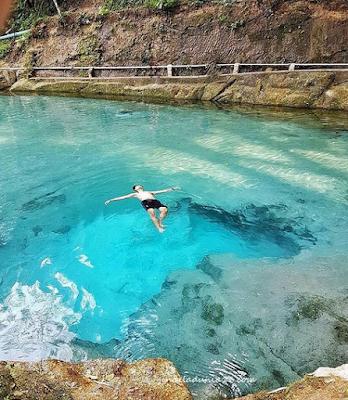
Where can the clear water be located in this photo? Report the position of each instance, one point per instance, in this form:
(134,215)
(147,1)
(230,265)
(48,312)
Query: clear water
(262,214)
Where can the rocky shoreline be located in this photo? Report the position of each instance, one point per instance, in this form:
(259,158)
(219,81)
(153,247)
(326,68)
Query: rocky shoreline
(148,379)
(299,89)
(94,379)
(324,383)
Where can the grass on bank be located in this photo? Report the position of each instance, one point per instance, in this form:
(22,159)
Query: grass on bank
(29,13)
(5,48)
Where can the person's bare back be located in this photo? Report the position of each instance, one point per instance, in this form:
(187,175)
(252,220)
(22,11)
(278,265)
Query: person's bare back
(149,202)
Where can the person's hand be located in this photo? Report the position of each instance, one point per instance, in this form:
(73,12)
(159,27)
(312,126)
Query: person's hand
(176,188)
(107,202)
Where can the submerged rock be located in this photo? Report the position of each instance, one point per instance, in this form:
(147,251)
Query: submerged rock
(261,323)
(94,379)
(212,312)
(83,349)
(308,307)
(62,230)
(43,201)
(36,229)
(270,222)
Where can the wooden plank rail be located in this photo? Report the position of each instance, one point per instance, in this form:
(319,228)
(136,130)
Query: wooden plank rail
(186,70)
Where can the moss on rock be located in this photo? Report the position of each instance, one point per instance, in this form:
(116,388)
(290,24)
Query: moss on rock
(212,312)
(90,50)
(300,89)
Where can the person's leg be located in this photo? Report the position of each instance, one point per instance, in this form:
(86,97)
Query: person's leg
(164,212)
(152,214)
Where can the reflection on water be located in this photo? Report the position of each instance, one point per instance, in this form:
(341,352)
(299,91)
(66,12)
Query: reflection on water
(248,279)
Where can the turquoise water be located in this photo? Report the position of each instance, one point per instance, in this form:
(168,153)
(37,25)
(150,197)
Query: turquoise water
(255,186)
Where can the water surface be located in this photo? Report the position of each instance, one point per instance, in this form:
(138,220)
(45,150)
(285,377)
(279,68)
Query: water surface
(256,238)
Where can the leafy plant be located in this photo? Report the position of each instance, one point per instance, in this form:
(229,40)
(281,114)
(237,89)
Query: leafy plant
(102,10)
(83,19)
(111,5)
(23,40)
(163,5)
(28,13)
(5,48)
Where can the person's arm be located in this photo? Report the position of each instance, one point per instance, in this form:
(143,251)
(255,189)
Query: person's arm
(165,190)
(128,196)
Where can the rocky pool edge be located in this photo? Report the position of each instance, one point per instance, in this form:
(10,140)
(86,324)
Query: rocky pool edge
(299,89)
(146,379)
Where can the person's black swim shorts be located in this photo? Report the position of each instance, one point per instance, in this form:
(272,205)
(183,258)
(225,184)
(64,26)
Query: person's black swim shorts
(152,203)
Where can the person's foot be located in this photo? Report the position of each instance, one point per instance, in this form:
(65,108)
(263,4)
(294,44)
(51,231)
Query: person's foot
(161,230)
(163,226)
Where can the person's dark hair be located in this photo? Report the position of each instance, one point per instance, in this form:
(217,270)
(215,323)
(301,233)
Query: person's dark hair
(136,186)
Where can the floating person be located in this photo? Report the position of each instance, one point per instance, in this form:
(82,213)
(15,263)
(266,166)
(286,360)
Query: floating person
(149,202)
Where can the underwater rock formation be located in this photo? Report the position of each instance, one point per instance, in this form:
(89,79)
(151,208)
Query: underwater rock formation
(259,222)
(247,320)
(43,201)
(94,379)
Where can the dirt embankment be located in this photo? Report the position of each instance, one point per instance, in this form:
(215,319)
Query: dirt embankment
(243,31)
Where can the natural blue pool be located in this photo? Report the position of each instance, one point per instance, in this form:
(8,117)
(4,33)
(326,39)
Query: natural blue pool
(256,237)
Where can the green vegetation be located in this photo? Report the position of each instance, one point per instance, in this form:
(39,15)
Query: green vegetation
(212,312)
(5,48)
(30,61)
(23,40)
(90,50)
(103,10)
(164,5)
(28,13)
(112,5)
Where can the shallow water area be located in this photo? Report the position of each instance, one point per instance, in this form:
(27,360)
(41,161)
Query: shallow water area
(255,240)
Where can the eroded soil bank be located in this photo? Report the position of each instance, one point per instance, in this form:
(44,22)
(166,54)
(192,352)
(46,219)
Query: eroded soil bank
(249,31)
